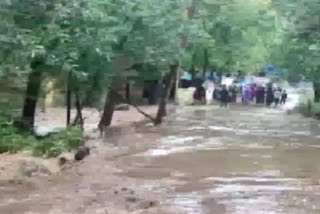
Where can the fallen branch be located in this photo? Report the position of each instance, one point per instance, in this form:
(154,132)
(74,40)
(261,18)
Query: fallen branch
(143,113)
(136,107)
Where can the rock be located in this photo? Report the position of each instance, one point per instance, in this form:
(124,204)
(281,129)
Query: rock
(147,204)
(81,153)
(43,132)
(122,107)
(124,189)
(62,161)
(131,199)
(31,168)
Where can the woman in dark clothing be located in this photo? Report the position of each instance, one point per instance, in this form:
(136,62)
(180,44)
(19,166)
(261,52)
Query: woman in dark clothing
(270,96)
(224,97)
(263,94)
(200,94)
(260,95)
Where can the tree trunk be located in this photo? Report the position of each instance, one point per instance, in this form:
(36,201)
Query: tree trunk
(79,120)
(108,110)
(205,63)
(177,85)
(31,98)
(316,96)
(128,92)
(166,93)
(68,99)
(152,92)
(43,103)
(316,87)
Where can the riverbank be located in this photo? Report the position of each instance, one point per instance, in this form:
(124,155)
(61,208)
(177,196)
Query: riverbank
(118,191)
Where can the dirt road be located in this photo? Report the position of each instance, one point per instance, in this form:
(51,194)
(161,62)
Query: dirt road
(205,160)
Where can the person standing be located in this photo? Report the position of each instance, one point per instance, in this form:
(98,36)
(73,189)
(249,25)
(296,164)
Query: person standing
(242,93)
(260,95)
(269,96)
(263,94)
(284,96)
(224,96)
(277,96)
(234,94)
(247,94)
(209,87)
(253,92)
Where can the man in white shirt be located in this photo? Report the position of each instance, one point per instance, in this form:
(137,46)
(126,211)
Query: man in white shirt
(209,86)
(277,96)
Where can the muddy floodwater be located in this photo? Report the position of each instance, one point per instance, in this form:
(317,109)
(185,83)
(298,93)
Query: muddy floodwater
(242,160)
(206,160)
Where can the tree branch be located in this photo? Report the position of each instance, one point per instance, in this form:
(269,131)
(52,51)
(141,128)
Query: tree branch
(136,107)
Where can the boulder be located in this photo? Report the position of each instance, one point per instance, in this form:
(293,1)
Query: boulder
(43,132)
(81,153)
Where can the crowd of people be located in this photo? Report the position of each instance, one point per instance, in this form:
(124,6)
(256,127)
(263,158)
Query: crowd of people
(250,93)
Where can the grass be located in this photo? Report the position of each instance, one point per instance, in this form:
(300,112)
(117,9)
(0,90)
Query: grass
(13,141)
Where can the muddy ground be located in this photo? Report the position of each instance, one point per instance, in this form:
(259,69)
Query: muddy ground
(203,160)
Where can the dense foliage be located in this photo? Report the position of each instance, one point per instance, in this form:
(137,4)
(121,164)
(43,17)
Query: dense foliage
(96,39)
(94,42)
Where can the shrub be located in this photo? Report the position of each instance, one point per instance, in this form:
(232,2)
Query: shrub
(306,108)
(316,109)
(13,141)
(52,146)
(55,144)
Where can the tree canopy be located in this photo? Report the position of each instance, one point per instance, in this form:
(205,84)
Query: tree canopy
(97,41)
(88,36)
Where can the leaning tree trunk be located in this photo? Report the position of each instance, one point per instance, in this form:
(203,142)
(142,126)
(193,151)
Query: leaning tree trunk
(166,93)
(31,98)
(68,99)
(108,110)
(128,86)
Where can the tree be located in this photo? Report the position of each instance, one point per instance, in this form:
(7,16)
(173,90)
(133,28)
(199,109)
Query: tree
(298,29)
(56,36)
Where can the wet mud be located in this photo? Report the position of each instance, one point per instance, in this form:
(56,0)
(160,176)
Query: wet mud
(204,160)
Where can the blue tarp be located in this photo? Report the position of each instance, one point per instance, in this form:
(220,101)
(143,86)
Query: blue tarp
(271,70)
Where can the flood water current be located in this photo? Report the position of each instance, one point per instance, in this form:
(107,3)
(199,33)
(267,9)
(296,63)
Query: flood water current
(238,160)
(203,160)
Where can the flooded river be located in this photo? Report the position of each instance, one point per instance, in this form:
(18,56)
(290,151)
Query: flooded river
(242,160)
(206,160)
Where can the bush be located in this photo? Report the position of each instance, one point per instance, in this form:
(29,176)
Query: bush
(310,109)
(52,146)
(316,109)
(306,108)
(13,141)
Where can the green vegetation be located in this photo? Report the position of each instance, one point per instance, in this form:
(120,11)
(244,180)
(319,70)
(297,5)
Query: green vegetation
(12,141)
(91,47)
